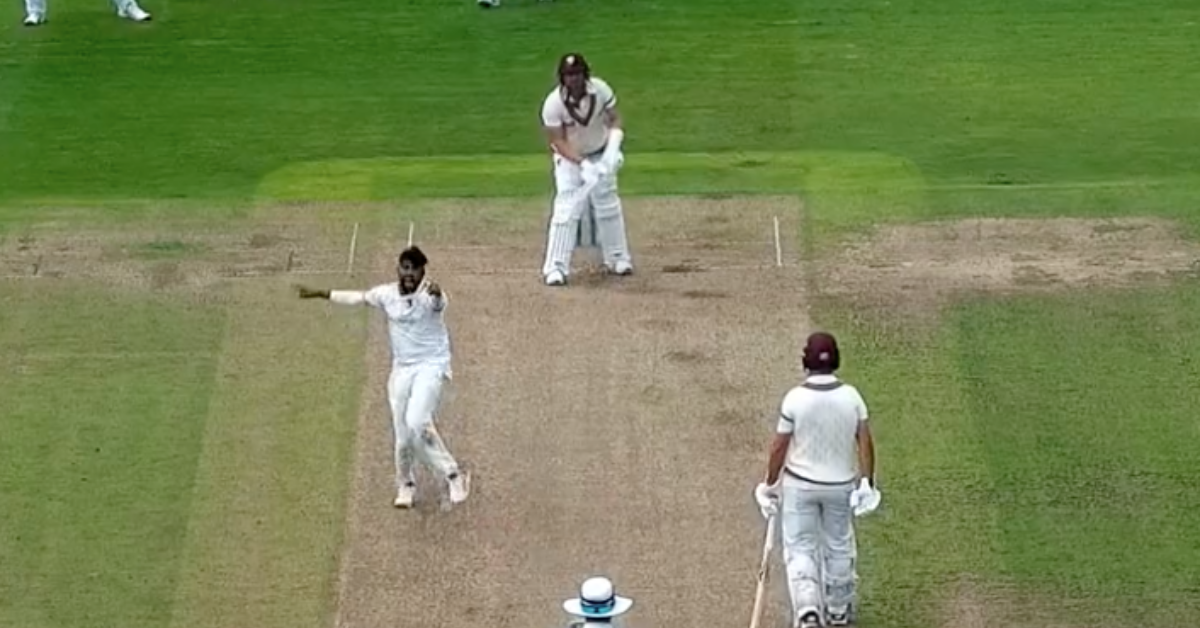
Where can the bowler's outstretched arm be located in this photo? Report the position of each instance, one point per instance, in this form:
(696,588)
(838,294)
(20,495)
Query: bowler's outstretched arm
(344,297)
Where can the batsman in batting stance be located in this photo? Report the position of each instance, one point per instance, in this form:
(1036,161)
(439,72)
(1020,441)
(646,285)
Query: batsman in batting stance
(414,307)
(584,129)
(820,474)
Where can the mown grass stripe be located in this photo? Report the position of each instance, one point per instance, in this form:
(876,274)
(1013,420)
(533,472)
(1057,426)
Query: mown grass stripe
(265,529)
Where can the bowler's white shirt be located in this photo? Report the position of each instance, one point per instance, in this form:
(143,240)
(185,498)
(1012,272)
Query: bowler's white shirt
(823,425)
(588,138)
(416,327)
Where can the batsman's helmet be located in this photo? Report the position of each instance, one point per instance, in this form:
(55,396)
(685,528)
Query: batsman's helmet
(572,63)
(821,352)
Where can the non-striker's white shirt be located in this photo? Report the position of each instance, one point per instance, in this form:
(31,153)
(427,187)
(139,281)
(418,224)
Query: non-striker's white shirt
(590,135)
(416,327)
(823,425)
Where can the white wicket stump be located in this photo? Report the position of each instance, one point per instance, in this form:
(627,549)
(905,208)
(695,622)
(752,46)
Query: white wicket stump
(586,233)
(586,239)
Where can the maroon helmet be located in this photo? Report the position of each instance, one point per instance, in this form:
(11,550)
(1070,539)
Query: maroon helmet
(821,352)
(573,63)
(573,75)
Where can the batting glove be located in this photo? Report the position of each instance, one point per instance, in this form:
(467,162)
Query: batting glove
(613,163)
(603,169)
(865,499)
(767,498)
(591,172)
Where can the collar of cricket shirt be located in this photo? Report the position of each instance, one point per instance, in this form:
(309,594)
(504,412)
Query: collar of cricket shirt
(589,89)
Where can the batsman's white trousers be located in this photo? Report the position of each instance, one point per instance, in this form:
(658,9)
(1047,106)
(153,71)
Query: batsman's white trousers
(572,199)
(817,526)
(415,393)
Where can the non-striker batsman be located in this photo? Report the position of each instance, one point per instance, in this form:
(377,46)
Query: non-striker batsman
(585,133)
(820,474)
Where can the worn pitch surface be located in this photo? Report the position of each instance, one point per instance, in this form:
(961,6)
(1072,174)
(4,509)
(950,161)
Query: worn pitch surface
(613,427)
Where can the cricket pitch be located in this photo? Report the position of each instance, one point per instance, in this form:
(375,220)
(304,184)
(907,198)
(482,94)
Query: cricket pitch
(616,426)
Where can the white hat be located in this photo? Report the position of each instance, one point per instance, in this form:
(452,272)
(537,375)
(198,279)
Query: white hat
(597,600)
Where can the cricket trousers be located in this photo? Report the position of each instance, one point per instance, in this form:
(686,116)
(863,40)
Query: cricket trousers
(39,6)
(817,529)
(585,215)
(415,394)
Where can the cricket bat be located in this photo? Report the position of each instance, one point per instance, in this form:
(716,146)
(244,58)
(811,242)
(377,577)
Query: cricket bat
(760,592)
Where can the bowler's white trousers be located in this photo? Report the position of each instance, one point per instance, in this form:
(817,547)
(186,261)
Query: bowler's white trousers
(818,544)
(414,394)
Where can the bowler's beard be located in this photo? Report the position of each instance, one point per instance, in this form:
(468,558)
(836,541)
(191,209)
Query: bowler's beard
(408,285)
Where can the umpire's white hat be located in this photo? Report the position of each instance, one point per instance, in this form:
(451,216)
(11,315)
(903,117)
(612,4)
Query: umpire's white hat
(597,600)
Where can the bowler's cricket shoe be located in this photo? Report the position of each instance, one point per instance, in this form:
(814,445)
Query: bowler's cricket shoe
(33,19)
(489,4)
(460,487)
(405,496)
(132,11)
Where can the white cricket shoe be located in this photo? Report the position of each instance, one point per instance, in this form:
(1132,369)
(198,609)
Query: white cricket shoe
(622,268)
(488,4)
(33,19)
(555,278)
(808,618)
(839,617)
(405,496)
(133,12)
(460,487)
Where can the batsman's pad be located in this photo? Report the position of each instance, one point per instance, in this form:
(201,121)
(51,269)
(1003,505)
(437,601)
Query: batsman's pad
(839,581)
(560,244)
(610,221)
(804,576)
(563,232)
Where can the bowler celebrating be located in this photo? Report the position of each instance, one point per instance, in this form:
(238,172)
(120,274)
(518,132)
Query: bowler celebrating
(420,346)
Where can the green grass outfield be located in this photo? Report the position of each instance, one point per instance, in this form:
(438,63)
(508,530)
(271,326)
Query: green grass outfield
(1034,443)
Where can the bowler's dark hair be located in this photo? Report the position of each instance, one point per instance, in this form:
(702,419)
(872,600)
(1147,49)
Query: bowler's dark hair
(414,256)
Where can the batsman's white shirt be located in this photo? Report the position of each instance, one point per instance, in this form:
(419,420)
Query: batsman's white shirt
(416,325)
(589,134)
(823,425)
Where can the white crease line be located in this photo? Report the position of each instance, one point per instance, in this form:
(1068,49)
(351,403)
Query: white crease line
(109,355)
(693,270)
